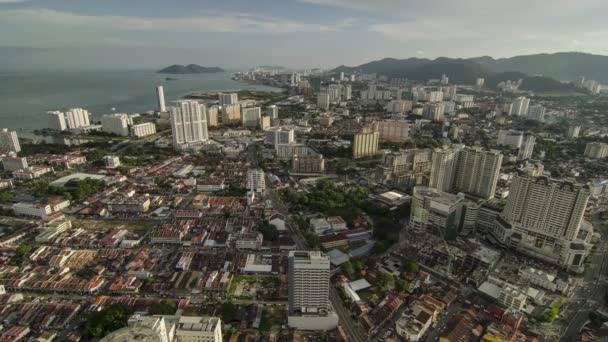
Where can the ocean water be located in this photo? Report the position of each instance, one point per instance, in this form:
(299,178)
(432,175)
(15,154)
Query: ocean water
(26,96)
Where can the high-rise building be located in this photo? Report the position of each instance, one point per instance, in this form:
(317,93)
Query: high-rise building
(436,210)
(510,138)
(346,92)
(118,124)
(399,106)
(543,217)
(160,99)
(199,329)
(323,100)
(273,112)
(308,294)
(537,113)
(444,79)
(57,121)
(265,122)
(480,82)
(70,119)
(407,167)
(365,143)
(435,96)
(315,83)
(573,132)
(188,124)
(228,99)
(231,114)
(280,135)
(111,161)
(9,141)
(213,116)
(433,111)
(143,129)
(519,107)
(443,167)
(477,172)
(527,148)
(596,150)
(334,92)
(313,163)
(14,163)
(255,180)
(393,130)
(252,117)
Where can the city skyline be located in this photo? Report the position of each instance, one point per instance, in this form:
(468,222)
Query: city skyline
(315,33)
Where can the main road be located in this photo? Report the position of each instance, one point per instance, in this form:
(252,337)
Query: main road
(594,285)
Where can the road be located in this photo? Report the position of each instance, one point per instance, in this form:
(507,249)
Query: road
(353,330)
(592,293)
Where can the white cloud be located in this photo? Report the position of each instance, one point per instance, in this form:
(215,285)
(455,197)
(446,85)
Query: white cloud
(231,22)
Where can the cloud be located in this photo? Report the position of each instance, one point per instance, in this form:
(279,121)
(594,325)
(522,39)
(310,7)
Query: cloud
(230,22)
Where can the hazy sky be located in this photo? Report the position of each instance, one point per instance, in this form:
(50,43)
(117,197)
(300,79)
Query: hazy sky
(323,33)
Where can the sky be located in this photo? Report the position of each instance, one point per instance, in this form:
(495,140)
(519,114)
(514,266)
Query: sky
(292,33)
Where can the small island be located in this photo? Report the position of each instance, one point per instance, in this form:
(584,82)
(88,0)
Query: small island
(189,69)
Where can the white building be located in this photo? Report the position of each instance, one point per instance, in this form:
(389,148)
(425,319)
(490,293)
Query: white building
(143,129)
(228,99)
(279,135)
(118,124)
(527,148)
(596,150)
(252,117)
(519,107)
(443,167)
(573,132)
(543,217)
(323,100)
(70,119)
(199,329)
(9,141)
(273,112)
(434,111)
(510,138)
(255,180)
(477,172)
(32,209)
(188,124)
(393,130)
(435,96)
(399,106)
(111,161)
(160,99)
(309,305)
(14,163)
(537,112)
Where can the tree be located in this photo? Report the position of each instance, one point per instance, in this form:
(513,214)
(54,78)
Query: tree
(269,231)
(5,196)
(164,307)
(401,285)
(411,266)
(111,318)
(385,279)
(23,250)
(228,310)
(347,269)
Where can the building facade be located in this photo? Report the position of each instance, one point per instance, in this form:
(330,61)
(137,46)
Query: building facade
(188,124)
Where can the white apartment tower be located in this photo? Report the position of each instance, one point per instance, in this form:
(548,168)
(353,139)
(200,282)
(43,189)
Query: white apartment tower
(477,172)
(70,119)
(255,180)
(252,117)
(443,167)
(228,99)
(520,106)
(543,218)
(323,100)
(160,99)
(9,141)
(308,282)
(527,148)
(188,124)
(118,124)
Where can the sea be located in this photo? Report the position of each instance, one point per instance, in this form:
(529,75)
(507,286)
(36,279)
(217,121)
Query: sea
(26,96)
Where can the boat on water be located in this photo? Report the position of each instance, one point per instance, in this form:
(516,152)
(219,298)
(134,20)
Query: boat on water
(171,79)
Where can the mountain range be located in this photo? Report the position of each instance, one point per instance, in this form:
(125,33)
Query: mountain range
(540,72)
(189,69)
